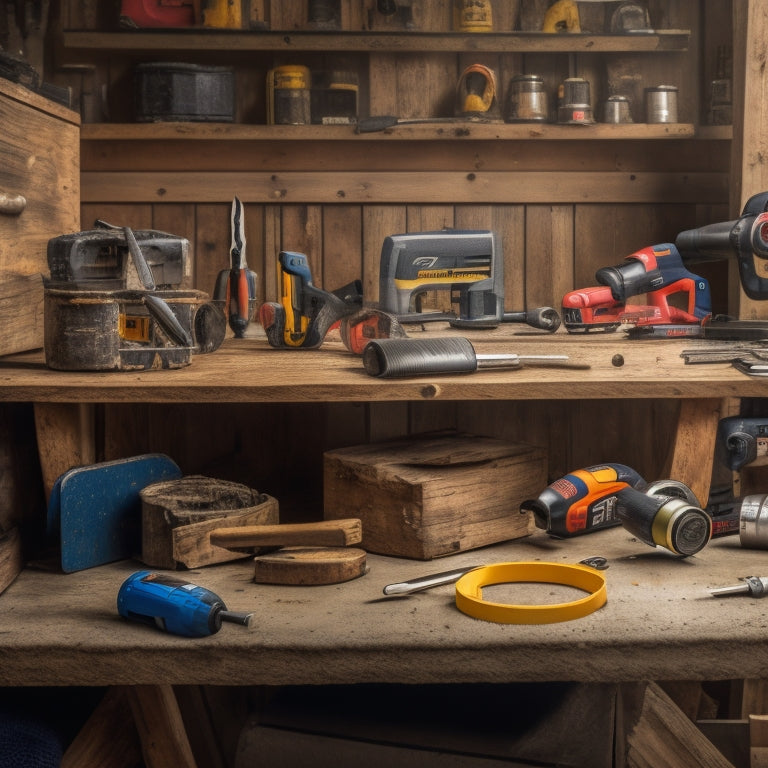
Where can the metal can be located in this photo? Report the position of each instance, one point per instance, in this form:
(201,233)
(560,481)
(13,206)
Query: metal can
(753,522)
(616,110)
(661,104)
(527,100)
(288,95)
(574,103)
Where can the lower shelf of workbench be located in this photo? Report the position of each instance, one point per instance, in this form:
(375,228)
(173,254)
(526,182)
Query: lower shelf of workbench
(660,622)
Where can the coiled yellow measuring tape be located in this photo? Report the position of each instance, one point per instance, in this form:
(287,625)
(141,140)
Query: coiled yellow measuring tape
(469,595)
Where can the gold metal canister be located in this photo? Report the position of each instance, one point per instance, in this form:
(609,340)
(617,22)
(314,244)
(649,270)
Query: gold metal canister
(472,16)
(288,95)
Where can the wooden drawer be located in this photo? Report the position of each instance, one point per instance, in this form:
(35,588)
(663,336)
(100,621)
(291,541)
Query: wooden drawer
(39,161)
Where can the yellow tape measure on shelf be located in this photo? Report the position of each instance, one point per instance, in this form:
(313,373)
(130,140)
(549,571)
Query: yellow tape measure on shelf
(469,595)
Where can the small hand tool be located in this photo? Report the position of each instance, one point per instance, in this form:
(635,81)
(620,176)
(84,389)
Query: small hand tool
(236,286)
(427,582)
(174,606)
(382,122)
(305,313)
(390,358)
(753,586)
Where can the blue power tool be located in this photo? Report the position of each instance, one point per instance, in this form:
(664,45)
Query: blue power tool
(174,606)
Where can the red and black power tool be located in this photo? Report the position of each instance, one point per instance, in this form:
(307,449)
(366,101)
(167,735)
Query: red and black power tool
(657,271)
(745,237)
(664,513)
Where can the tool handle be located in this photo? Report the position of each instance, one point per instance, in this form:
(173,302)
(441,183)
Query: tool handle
(390,358)
(142,268)
(376,123)
(327,533)
(164,317)
(545,318)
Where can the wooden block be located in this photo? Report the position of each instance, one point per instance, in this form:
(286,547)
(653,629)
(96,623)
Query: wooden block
(432,496)
(326,533)
(11,557)
(305,566)
(179,515)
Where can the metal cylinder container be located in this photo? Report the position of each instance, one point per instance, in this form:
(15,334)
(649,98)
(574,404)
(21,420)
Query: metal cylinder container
(527,100)
(661,104)
(753,522)
(288,95)
(616,110)
(574,102)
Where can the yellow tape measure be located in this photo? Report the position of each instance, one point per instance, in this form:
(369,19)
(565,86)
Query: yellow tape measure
(469,595)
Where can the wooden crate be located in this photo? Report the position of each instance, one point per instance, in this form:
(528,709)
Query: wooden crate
(39,199)
(427,497)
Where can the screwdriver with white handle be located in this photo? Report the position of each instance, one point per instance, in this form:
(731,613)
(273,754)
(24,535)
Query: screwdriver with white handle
(754,586)
(390,358)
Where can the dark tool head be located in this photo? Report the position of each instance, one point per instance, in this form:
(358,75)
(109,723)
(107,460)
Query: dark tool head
(368,324)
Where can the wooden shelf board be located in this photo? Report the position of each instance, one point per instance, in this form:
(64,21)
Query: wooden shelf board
(674,40)
(64,629)
(463,131)
(249,370)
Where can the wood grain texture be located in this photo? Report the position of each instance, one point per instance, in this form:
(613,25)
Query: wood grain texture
(397,187)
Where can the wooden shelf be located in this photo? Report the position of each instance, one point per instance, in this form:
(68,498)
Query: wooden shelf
(249,370)
(64,629)
(463,131)
(669,40)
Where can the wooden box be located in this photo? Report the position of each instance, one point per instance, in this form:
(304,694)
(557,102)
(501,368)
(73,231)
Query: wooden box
(427,497)
(39,199)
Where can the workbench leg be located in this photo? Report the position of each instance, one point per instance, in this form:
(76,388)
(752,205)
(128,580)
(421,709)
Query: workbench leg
(693,453)
(66,438)
(108,739)
(164,740)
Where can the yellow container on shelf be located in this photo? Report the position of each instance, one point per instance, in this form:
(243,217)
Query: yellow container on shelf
(288,95)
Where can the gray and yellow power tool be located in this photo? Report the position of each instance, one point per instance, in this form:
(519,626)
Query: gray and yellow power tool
(468,263)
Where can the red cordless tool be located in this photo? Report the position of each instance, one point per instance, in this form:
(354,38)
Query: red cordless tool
(656,271)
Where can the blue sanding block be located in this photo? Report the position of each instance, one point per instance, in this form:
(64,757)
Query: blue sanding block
(95,510)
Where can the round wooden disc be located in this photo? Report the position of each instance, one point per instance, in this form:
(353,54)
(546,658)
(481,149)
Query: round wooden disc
(309,565)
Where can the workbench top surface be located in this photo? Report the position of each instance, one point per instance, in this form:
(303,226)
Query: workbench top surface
(249,370)
(660,622)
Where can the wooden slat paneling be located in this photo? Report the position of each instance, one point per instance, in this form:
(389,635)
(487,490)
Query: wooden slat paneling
(430,187)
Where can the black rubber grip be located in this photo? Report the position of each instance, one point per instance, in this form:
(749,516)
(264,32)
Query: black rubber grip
(391,358)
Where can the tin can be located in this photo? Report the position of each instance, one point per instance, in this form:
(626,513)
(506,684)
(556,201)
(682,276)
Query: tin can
(661,104)
(574,104)
(616,110)
(527,100)
(753,522)
(288,95)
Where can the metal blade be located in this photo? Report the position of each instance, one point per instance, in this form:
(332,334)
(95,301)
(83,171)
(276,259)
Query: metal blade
(237,246)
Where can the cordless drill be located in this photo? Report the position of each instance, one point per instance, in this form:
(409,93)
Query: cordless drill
(174,606)
(745,237)
(662,513)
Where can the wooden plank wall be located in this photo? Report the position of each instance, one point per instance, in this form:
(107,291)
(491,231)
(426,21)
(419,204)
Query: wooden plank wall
(563,209)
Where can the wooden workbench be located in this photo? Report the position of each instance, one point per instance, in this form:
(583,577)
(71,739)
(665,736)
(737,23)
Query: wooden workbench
(659,622)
